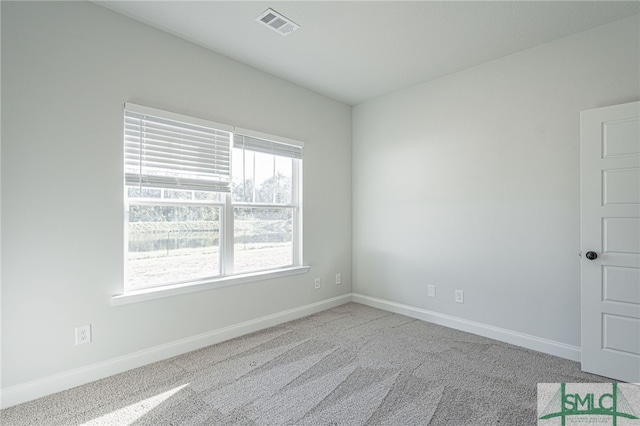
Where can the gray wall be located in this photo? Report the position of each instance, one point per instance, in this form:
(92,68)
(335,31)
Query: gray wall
(472,182)
(68,68)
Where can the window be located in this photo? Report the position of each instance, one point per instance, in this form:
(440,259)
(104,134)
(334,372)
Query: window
(205,201)
(265,200)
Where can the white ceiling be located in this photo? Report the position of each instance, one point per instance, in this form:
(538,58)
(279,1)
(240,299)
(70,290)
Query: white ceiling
(354,51)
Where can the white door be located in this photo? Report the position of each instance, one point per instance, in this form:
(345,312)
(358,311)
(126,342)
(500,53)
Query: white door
(610,209)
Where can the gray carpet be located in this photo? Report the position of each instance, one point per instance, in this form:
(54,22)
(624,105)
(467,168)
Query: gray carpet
(351,365)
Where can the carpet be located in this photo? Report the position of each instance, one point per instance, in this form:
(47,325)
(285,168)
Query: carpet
(350,365)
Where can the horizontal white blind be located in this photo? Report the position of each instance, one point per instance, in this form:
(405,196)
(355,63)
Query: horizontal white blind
(166,153)
(266,146)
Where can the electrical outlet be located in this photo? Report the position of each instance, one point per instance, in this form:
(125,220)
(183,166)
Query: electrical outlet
(431,290)
(317,283)
(459,296)
(83,334)
(338,279)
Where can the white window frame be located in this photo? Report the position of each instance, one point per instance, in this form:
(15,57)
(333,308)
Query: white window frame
(226,229)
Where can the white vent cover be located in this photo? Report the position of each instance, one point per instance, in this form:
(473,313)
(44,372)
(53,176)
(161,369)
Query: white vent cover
(277,22)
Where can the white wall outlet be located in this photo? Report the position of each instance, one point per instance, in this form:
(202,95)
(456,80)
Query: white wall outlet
(83,334)
(317,283)
(338,279)
(431,290)
(459,296)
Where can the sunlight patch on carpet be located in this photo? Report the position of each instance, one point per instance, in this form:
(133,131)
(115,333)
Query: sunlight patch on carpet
(133,412)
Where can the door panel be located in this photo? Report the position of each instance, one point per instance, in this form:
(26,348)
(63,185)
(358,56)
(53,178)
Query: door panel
(610,226)
(621,138)
(621,235)
(622,186)
(620,333)
(621,284)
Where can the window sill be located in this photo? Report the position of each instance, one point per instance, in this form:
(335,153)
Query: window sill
(172,290)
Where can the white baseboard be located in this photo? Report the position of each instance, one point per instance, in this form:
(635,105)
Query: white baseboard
(48,385)
(508,336)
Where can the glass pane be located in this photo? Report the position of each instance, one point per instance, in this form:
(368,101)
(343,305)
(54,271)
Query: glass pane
(264,177)
(242,185)
(282,180)
(172,243)
(208,196)
(173,194)
(262,239)
(261,178)
(136,192)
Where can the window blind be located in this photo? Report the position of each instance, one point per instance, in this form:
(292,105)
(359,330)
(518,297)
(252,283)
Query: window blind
(162,151)
(270,147)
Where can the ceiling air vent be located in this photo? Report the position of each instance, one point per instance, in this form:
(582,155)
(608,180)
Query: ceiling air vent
(277,22)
